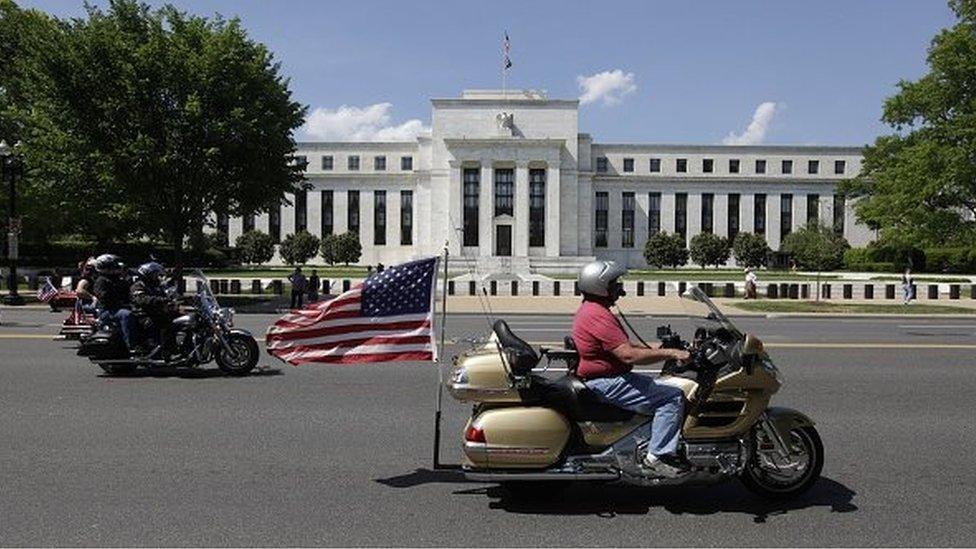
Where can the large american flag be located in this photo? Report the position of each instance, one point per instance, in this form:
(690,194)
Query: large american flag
(387,317)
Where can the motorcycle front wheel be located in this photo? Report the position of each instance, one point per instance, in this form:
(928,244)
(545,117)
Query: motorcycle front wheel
(773,477)
(240,356)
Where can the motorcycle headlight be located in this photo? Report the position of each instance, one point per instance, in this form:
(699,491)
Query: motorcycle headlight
(227,314)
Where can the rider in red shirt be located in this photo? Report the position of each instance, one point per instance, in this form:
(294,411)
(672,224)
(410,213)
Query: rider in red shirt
(607,358)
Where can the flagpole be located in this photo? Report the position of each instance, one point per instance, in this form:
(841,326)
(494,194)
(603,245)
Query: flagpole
(440,370)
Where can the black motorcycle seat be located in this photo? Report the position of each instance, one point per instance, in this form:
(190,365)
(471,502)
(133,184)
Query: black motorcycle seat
(569,395)
(521,356)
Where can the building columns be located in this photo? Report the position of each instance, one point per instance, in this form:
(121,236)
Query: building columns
(520,232)
(553,209)
(486,211)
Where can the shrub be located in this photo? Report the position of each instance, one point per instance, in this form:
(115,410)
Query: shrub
(950,260)
(255,247)
(751,250)
(344,248)
(664,250)
(299,247)
(709,249)
(816,248)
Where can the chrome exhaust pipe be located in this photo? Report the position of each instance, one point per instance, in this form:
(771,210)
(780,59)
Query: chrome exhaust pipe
(487,476)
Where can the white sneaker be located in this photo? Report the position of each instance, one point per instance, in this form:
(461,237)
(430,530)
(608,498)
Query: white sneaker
(655,467)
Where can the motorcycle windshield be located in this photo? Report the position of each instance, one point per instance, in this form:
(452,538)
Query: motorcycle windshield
(704,313)
(196,279)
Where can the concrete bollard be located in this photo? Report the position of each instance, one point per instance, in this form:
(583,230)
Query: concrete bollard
(804,291)
(682,286)
(933,291)
(729,289)
(326,287)
(825,291)
(555,288)
(214,286)
(256,287)
(889,291)
(576,290)
(953,291)
(772,291)
(848,291)
(346,284)
(869,291)
(515,287)
(277,288)
(472,288)
(224,286)
(662,289)
(640,288)
(235,286)
(450,287)
(494,287)
(535,287)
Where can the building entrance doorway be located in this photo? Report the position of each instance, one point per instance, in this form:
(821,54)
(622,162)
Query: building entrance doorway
(503,240)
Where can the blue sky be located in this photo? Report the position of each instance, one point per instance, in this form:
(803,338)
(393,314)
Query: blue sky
(680,71)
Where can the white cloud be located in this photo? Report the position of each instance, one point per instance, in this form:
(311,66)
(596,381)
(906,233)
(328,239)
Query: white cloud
(372,123)
(607,86)
(758,127)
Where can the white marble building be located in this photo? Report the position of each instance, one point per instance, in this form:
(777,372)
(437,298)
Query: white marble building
(509,183)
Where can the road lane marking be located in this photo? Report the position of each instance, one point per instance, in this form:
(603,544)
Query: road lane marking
(938,327)
(27,336)
(837,345)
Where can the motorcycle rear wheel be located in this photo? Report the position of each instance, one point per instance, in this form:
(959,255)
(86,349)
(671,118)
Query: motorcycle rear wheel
(118,369)
(770,483)
(242,358)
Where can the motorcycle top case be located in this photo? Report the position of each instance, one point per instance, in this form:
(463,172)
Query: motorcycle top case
(515,438)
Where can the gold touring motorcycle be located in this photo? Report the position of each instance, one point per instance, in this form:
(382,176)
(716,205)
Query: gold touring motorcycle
(531,432)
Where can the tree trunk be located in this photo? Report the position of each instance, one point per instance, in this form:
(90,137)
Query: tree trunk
(178,256)
(818,286)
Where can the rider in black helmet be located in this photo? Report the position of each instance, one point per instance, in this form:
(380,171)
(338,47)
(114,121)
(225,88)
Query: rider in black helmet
(112,290)
(149,300)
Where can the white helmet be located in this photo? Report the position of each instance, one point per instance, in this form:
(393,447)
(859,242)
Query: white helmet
(597,277)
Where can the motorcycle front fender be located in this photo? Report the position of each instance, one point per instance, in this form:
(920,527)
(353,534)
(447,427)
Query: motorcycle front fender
(787,419)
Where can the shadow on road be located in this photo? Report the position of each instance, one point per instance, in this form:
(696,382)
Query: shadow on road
(191,373)
(610,500)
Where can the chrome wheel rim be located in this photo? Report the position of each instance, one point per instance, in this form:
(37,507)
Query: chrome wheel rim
(780,474)
(238,356)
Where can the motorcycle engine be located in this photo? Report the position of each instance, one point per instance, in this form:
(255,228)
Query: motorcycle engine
(724,457)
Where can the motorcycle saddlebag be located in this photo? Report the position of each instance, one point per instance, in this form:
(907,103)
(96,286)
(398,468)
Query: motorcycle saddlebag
(515,437)
(103,344)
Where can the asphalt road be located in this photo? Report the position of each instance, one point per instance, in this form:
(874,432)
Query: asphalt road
(340,455)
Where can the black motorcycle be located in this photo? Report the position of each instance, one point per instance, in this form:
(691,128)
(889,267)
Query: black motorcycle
(204,334)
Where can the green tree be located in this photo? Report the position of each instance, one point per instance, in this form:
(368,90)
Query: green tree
(750,250)
(255,247)
(664,250)
(348,249)
(816,248)
(297,248)
(709,249)
(173,116)
(329,248)
(918,185)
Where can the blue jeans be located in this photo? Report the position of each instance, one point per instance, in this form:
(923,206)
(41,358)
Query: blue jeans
(125,320)
(641,394)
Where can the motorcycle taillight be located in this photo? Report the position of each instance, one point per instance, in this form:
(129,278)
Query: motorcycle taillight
(474,434)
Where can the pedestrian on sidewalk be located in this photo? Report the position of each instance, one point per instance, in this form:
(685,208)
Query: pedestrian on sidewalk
(907,293)
(751,281)
(313,287)
(298,286)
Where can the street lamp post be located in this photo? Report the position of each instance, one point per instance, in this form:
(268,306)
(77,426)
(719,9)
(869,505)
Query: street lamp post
(9,166)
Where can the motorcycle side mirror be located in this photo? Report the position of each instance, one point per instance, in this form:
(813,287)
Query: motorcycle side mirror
(752,345)
(663,331)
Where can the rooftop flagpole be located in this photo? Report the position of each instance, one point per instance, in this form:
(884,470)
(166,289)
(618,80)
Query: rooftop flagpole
(506,64)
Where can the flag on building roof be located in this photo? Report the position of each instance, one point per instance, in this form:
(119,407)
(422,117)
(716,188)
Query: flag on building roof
(388,317)
(507,50)
(47,291)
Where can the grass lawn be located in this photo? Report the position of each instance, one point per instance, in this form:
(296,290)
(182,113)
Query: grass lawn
(847,308)
(946,279)
(281,272)
(705,275)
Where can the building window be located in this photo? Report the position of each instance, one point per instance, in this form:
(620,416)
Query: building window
(681,165)
(785,215)
(681,215)
(352,163)
(813,166)
(379,163)
(707,212)
(840,167)
(301,162)
(655,165)
(733,217)
(301,211)
(760,166)
(813,209)
(787,166)
(406,163)
(601,164)
(472,190)
(379,218)
(274,223)
(327,163)
(627,221)
(328,223)
(352,212)
(628,164)
(840,205)
(223,227)
(248,223)
(537,207)
(602,206)
(759,214)
(734,165)
(504,192)
(406,218)
(708,165)
(653,213)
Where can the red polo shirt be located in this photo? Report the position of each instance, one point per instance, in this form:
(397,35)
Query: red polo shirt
(596,332)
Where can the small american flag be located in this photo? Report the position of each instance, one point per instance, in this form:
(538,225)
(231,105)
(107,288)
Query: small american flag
(47,291)
(507,51)
(386,318)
